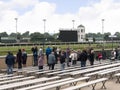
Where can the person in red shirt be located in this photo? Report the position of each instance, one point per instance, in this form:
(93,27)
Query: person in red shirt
(99,57)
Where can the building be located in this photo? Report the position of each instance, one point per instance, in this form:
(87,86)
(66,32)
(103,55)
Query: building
(72,35)
(81,33)
(13,40)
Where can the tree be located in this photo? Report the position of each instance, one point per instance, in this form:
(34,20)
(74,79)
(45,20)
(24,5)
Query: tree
(99,34)
(37,37)
(49,37)
(19,36)
(26,34)
(91,35)
(94,40)
(106,36)
(3,34)
(55,35)
(13,35)
(117,34)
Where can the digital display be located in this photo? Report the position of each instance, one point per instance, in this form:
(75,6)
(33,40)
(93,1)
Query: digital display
(68,36)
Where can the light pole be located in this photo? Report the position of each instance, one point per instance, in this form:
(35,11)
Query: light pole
(73,23)
(44,20)
(16,19)
(103,31)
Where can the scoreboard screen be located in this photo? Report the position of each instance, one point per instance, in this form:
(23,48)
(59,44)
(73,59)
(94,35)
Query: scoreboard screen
(68,36)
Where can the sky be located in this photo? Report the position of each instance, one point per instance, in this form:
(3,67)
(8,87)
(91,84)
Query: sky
(59,14)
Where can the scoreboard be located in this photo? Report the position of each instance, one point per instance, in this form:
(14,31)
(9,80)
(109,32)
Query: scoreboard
(68,36)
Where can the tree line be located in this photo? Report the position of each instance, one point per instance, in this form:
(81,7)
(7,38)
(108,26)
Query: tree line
(47,37)
(34,37)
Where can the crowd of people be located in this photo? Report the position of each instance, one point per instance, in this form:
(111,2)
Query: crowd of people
(20,59)
(70,57)
(56,55)
(66,57)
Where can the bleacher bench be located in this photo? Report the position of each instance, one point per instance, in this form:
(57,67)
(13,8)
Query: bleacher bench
(26,83)
(58,85)
(118,77)
(93,83)
(45,84)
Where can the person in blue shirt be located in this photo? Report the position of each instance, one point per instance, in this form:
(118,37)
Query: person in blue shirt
(10,60)
(48,51)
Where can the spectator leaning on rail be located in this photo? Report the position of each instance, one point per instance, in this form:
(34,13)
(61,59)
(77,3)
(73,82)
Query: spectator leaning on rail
(10,60)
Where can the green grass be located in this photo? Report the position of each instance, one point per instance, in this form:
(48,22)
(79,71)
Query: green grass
(14,49)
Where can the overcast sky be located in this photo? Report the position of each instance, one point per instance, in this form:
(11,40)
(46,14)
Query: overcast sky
(59,14)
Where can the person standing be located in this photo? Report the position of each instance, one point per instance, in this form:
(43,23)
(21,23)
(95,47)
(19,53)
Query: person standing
(58,51)
(19,59)
(48,51)
(41,61)
(116,51)
(113,55)
(68,51)
(118,57)
(91,57)
(35,55)
(100,57)
(51,61)
(62,60)
(24,57)
(40,52)
(78,55)
(103,54)
(54,49)
(10,60)
(73,57)
(83,58)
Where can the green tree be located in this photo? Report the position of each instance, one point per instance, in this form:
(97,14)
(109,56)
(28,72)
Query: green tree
(106,36)
(117,34)
(3,34)
(49,37)
(19,37)
(37,37)
(99,35)
(94,40)
(12,35)
(26,34)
